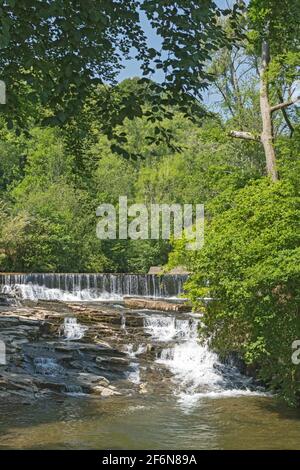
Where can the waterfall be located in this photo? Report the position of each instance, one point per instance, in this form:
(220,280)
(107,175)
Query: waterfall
(47,366)
(73,330)
(91,287)
(197,371)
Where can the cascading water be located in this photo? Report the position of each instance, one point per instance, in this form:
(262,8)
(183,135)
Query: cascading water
(72,330)
(123,321)
(134,375)
(47,366)
(197,371)
(133,352)
(91,287)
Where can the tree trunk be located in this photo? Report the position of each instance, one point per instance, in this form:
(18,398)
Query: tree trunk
(267,137)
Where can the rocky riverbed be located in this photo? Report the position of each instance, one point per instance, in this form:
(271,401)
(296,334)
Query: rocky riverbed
(72,348)
(106,375)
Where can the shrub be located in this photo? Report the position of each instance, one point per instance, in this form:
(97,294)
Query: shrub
(250,266)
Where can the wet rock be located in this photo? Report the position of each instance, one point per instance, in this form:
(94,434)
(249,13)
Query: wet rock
(42,362)
(112,364)
(154,304)
(143,388)
(105,391)
(8,300)
(92,378)
(17,381)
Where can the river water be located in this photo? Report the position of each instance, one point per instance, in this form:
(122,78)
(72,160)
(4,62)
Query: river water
(194,402)
(154,422)
(91,287)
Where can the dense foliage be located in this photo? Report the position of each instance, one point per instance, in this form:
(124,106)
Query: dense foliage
(250,268)
(71,138)
(57,51)
(50,190)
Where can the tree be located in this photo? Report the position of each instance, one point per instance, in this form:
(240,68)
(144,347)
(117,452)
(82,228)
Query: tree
(251,258)
(274,30)
(52,53)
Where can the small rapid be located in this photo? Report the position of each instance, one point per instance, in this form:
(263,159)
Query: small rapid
(197,371)
(194,370)
(72,330)
(47,366)
(138,379)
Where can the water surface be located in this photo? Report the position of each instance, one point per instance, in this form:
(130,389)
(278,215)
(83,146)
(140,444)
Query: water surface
(150,423)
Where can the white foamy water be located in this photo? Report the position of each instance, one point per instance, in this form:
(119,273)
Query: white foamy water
(73,330)
(134,375)
(123,321)
(134,351)
(36,292)
(197,370)
(166,328)
(47,366)
(91,286)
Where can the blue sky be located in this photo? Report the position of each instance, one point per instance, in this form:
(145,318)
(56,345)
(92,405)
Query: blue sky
(132,67)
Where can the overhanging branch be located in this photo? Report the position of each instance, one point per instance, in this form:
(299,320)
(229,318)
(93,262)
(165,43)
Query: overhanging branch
(285,104)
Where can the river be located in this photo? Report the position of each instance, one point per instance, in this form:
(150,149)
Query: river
(174,391)
(154,422)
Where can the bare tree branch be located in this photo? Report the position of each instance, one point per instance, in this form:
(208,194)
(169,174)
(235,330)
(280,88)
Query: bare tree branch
(225,98)
(286,116)
(285,104)
(243,135)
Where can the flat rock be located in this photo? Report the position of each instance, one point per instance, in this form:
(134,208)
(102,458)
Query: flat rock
(155,304)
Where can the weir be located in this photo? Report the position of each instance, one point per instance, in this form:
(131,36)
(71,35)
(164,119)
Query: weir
(91,286)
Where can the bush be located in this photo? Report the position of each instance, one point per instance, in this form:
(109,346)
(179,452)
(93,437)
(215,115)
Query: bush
(250,266)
